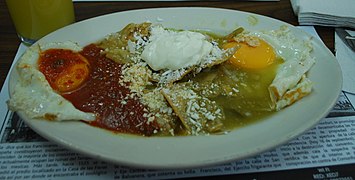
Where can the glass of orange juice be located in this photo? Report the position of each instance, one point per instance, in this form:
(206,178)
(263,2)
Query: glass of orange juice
(34,19)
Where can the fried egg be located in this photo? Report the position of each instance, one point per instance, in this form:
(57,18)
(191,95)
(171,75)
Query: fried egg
(254,54)
(64,69)
(260,49)
(39,97)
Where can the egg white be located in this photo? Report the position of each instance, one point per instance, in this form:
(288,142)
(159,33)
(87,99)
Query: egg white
(32,94)
(290,82)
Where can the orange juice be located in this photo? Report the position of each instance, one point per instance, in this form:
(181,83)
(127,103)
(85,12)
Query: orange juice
(34,19)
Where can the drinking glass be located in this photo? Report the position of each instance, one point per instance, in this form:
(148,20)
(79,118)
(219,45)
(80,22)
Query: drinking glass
(34,19)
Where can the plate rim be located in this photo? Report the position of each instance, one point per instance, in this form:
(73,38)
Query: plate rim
(177,166)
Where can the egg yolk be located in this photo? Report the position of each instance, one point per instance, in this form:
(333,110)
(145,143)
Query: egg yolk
(251,57)
(64,70)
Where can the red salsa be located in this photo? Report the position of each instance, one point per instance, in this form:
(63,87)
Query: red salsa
(116,108)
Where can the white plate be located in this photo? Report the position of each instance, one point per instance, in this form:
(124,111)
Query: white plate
(184,152)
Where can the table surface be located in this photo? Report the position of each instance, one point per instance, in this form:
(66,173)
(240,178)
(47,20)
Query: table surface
(281,10)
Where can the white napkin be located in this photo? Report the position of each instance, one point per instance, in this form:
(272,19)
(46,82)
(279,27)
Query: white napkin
(346,59)
(336,13)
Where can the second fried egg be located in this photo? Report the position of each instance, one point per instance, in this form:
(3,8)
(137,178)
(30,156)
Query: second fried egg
(278,50)
(252,54)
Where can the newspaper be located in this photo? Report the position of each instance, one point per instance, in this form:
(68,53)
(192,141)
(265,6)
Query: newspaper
(329,148)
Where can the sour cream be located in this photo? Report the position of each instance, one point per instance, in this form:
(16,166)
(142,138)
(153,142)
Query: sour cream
(174,50)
